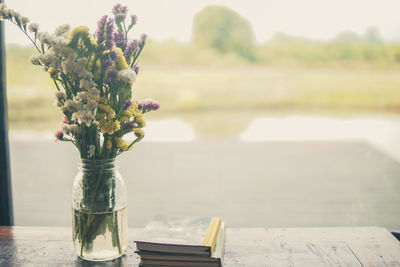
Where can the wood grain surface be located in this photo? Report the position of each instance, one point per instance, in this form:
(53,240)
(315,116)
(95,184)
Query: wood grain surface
(339,246)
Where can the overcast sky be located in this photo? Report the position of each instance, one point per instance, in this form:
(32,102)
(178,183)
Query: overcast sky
(161,19)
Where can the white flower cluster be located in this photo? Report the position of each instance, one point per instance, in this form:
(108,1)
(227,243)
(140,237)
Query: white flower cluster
(77,67)
(83,108)
(91,150)
(70,129)
(7,13)
(57,56)
(85,105)
(60,95)
(33,27)
(62,30)
(128,76)
(63,59)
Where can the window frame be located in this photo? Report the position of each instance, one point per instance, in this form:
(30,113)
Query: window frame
(6,206)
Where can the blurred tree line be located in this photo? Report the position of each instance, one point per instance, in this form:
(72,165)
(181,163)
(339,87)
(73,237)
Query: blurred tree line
(220,35)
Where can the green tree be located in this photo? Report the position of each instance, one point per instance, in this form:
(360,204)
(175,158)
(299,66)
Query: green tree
(373,36)
(224,30)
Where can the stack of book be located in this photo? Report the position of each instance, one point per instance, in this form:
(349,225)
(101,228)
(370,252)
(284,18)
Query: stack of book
(182,241)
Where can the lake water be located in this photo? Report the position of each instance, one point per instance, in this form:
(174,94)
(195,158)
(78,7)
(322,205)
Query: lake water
(381,132)
(281,172)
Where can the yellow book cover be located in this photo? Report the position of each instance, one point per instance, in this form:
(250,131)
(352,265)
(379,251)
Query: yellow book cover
(212,233)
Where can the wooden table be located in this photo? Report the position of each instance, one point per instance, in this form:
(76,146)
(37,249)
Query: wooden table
(340,246)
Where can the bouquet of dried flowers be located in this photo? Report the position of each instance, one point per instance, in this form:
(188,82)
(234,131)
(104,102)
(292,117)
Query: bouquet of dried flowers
(94,76)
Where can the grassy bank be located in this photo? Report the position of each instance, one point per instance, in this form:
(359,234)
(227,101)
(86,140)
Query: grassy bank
(220,99)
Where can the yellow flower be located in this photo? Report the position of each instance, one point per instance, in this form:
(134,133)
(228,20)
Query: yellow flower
(103,107)
(108,110)
(92,40)
(102,100)
(133,110)
(81,37)
(51,70)
(117,125)
(101,118)
(90,63)
(97,74)
(106,118)
(110,127)
(128,113)
(77,31)
(96,68)
(138,132)
(139,119)
(124,118)
(121,62)
(108,144)
(121,143)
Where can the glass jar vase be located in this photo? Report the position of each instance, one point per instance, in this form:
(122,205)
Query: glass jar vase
(99,211)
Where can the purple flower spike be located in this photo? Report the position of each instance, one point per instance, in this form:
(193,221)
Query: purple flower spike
(148,105)
(116,8)
(127,104)
(133,19)
(119,18)
(100,33)
(155,106)
(119,38)
(129,49)
(111,75)
(136,69)
(123,9)
(106,64)
(109,33)
(143,36)
(114,55)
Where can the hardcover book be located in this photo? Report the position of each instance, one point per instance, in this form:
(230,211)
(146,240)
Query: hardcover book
(165,236)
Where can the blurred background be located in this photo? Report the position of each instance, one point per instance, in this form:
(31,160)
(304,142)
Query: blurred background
(273,113)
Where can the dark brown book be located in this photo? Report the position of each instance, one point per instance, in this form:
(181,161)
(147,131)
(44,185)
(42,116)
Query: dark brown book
(154,263)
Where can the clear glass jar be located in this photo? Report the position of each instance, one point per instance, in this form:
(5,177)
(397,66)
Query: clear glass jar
(99,211)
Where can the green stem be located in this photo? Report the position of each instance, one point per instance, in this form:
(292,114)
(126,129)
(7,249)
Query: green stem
(27,35)
(81,233)
(135,141)
(136,56)
(126,32)
(58,88)
(116,232)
